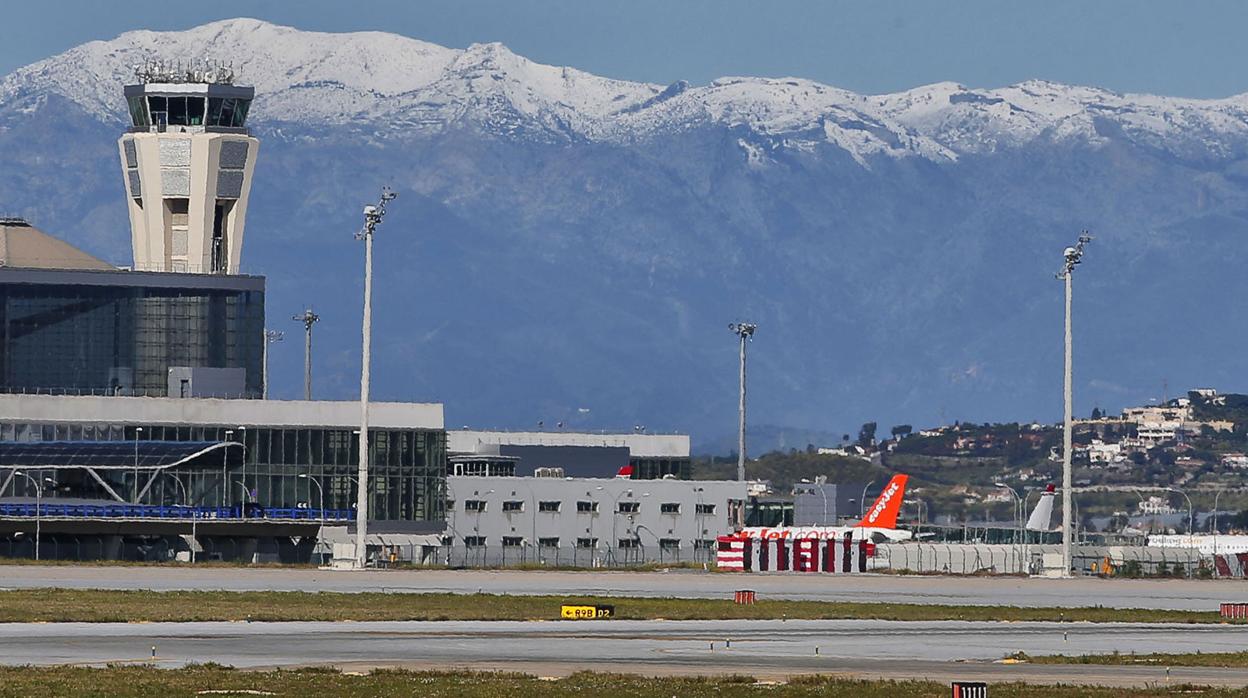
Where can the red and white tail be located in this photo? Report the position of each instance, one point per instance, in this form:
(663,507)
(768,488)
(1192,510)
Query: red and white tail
(883,513)
(625,472)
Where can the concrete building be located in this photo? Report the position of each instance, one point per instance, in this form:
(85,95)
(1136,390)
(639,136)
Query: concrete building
(586,522)
(187,160)
(578,454)
(823,504)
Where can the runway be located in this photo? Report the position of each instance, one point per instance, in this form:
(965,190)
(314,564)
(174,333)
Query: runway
(1177,594)
(765,649)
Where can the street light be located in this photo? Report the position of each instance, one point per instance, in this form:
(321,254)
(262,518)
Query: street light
(270,337)
(862,502)
(186,501)
(134,498)
(744,331)
(1018,516)
(1190,516)
(225,460)
(372,217)
(321,493)
(1072,256)
(308,318)
(38,506)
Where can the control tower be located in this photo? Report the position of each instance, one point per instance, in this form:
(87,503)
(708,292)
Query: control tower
(187,159)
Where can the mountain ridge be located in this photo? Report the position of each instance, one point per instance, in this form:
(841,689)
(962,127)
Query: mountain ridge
(318,78)
(555,248)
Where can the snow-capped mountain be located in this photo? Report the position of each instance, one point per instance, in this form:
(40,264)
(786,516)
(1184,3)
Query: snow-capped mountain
(565,241)
(320,79)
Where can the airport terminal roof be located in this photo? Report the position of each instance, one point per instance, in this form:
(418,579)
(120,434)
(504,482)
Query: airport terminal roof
(105,454)
(25,246)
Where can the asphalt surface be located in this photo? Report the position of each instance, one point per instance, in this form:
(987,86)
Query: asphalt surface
(1197,595)
(941,651)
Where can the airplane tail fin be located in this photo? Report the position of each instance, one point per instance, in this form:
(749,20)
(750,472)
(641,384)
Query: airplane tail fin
(883,513)
(1042,516)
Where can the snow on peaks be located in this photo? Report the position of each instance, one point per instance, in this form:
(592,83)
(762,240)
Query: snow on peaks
(395,85)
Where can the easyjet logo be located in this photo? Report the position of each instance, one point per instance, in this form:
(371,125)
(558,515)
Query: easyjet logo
(882,503)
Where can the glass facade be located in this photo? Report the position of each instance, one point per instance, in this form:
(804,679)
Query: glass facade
(657,468)
(66,332)
(280,468)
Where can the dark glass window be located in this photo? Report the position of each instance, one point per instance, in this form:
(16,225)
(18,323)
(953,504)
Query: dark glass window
(195,111)
(512,541)
(669,508)
(629,507)
(227,113)
(513,505)
(548,542)
(240,112)
(586,507)
(177,111)
(587,542)
(213,118)
(548,506)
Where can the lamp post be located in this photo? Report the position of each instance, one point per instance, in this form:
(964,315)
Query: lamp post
(1018,518)
(1072,257)
(321,494)
(308,318)
(270,337)
(372,217)
(744,332)
(225,459)
(862,501)
(1190,514)
(186,501)
(134,498)
(38,507)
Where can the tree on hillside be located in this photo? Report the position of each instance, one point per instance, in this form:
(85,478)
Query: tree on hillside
(901,431)
(866,435)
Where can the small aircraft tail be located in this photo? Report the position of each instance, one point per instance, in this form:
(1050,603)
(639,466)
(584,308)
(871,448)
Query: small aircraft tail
(1042,516)
(883,513)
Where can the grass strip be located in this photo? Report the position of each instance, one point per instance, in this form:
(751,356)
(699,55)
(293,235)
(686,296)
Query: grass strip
(1205,659)
(119,606)
(145,681)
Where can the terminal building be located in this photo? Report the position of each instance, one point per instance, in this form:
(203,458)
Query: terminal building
(133,424)
(130,418)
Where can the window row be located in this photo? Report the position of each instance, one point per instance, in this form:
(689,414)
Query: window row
(159,110)
(510,506)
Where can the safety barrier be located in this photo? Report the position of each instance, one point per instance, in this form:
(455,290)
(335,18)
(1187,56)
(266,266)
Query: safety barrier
(744,597)
(1233,610)
(829,555)
(51,510)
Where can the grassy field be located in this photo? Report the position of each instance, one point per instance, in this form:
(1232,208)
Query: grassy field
(1211,659)
(141,681)
(89,605)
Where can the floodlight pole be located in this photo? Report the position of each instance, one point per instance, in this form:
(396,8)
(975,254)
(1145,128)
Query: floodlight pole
(372,217)
(1073,255)
(744,331)
(308,318)
(270,336)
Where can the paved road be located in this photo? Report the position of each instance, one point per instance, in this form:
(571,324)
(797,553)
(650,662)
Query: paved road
(765,649)
(1006,591)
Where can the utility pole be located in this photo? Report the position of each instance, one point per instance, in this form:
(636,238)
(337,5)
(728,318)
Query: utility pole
(270,336)
(1073,256)
(372,217)
(744,332)
(308,318)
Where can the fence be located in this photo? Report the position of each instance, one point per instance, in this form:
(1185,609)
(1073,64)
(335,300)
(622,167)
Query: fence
(1124,561)
(555,556)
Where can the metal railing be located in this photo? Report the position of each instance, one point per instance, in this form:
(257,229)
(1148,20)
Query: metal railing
(48,510)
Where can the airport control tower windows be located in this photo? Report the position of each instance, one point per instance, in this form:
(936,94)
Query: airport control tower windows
(138,112)
(228,112)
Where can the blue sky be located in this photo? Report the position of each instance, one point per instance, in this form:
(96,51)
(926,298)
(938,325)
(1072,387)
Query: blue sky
(1179,48)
